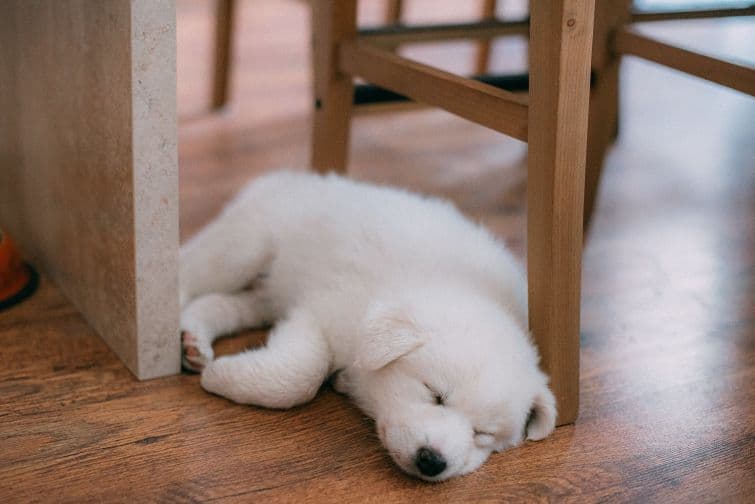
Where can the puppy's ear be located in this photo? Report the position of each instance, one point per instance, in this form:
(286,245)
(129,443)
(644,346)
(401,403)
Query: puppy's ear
(387,334)
(542,419)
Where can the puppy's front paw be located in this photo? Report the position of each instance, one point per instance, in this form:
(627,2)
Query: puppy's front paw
(195,352)
(218,378)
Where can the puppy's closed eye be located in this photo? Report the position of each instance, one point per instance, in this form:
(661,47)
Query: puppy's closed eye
(438,398)
(483,439)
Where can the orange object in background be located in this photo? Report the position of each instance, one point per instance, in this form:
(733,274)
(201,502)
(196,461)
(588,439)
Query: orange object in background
(18,280)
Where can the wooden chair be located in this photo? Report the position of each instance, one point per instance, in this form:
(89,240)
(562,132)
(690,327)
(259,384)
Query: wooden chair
(616,35)
(567,122)
(394,13)
(553,120)
(225,16)
(225,20)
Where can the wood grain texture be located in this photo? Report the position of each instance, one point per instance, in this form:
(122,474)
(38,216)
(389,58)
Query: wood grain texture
(675,15)
(88,162)
(560,56)
(610,15)
(333,22)
(734,74)
(419,33)
(668,356)
(483,104)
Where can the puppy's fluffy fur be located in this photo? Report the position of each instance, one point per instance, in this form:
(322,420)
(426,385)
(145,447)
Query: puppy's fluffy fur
(421,314)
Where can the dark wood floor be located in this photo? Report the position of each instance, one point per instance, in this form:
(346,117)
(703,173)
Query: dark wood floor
(668,344)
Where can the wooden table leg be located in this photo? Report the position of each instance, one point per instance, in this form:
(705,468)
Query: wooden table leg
(334,21)
(560,48)
(89,165)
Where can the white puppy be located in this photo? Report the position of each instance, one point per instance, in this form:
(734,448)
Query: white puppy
(421,314)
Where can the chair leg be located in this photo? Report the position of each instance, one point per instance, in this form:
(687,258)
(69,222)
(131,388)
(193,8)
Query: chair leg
(394,10)
(604,100)
(560,47)
(602,123)
(224,21)
(334,21)
(484,47)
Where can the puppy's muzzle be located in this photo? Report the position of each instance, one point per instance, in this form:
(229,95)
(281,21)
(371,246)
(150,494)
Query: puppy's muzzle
(429,462)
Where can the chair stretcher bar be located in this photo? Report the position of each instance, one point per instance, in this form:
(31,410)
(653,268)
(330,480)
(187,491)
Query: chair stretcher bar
(731,74)
(643,16)
(480,103)
(394,35)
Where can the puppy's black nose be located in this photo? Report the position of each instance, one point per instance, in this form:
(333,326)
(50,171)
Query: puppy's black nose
(429,462)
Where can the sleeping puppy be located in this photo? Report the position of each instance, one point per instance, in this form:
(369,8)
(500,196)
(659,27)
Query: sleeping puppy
(420,314)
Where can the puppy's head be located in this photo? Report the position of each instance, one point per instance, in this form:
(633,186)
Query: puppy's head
(448,383)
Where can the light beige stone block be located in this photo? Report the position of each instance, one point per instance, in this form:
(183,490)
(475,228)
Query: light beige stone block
(88,163)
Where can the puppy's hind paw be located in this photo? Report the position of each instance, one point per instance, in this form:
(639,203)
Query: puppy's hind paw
(195,353)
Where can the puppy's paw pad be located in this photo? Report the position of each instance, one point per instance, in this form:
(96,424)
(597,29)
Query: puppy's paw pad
(195,355)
